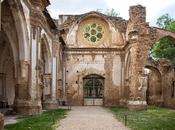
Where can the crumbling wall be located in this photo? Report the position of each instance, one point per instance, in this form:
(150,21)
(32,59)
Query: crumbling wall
(79,66)
(168,83)
(154,90)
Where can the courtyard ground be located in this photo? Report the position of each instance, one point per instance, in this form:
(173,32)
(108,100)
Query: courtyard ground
(154,118)
(96,118)
(90,118)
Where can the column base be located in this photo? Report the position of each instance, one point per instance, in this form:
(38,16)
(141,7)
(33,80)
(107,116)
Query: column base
(27,107)
(123,102)
(137,105)
(50,104)
(1,121)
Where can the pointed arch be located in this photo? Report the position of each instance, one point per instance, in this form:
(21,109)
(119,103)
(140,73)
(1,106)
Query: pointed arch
(21,28)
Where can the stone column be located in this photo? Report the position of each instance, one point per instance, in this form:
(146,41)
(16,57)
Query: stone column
(26,102)
(52,103)
(64,83)
(1,121)
(122,98)
(138,37)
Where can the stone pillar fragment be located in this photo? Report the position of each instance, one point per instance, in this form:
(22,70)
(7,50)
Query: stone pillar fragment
(27,100)
(138,33)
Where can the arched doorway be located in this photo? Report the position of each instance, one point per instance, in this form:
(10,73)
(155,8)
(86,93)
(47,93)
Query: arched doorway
(7,73)
(93,90)
(45,72)
(154,86)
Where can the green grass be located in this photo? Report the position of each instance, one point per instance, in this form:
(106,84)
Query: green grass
(45,121)
(154,118)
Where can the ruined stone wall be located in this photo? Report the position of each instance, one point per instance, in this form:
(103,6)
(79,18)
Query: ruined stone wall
(79,65)
(111,36)
(154,90)
(103,57)
(168,79)
(161,84)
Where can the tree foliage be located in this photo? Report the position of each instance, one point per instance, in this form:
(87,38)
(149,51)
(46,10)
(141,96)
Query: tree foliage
(165,47)
(164,21)
(109,12)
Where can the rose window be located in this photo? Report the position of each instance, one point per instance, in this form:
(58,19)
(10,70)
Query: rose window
(93,32)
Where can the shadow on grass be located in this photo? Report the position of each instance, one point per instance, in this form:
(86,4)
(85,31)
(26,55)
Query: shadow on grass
(46,121)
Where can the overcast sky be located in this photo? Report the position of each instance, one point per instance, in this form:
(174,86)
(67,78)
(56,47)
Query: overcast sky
(155,8)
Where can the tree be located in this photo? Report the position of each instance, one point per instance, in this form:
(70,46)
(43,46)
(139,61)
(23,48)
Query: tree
(164,21)
(109,12)
(165,47)
(171,27)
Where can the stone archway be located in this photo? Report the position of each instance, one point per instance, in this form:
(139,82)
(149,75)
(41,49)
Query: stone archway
(154,87)
(15,28)
(45,71)
(7,73)
(93,90)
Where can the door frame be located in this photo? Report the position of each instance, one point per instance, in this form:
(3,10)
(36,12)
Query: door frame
(103,82)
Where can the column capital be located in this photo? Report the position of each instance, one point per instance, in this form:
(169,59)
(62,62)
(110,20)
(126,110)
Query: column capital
(55,48)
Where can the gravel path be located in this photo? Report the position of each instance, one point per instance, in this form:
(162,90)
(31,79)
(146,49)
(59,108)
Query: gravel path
(90,118)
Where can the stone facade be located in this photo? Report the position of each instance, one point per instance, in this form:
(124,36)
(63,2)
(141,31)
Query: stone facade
(119,57)
(83,59)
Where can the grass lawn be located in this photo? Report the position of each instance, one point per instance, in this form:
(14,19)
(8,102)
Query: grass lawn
(154,118)
(45,121)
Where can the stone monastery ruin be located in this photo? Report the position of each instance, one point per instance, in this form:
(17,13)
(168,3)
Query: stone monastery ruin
(88,59)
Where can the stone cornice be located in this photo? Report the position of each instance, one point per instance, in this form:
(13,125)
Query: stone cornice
(88,51)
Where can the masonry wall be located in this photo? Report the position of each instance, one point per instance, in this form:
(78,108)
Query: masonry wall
(169,87)
(80,65)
